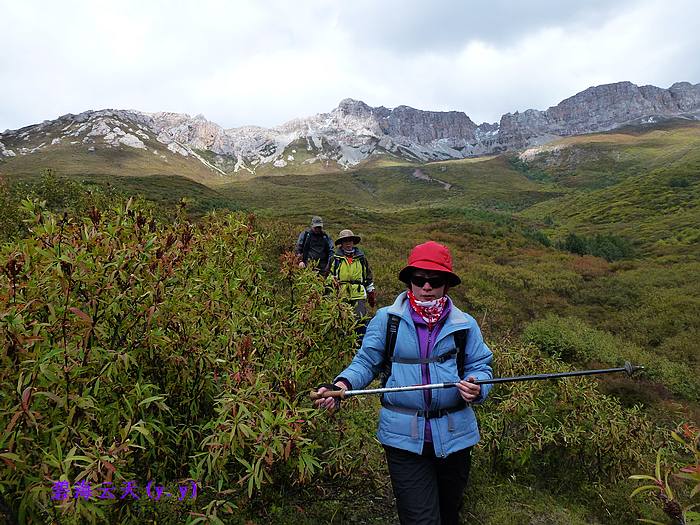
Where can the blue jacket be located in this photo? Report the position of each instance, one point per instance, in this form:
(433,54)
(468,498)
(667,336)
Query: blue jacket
(400,426)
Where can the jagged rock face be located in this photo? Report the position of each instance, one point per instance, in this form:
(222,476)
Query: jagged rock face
(686,96)
(424,127)
(604,107)
(197,132)
(353,131)
(599,108)
(108,128)
(518,130)
(6,152)
(356,115)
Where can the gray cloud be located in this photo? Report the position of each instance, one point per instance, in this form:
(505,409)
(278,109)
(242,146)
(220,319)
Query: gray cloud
(447,25)
(264,63)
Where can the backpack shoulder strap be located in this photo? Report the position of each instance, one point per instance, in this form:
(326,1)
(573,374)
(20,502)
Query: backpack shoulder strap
(363,263)
(392,330)
(305,244)
(337,260)
(460,337)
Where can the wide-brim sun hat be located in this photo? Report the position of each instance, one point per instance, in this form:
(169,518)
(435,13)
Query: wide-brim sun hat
(431,256)
(347,234)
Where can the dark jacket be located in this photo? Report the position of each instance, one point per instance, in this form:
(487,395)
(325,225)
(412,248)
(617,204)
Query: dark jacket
(315,247)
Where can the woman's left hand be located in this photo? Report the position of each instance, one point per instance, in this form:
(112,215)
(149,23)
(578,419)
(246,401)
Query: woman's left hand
(467,390)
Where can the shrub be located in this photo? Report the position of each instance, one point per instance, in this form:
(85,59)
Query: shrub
(538,236)
(679,182)
(677,503)
(609,247)
(137,351)
(58,194)
(11,216)
(573,340)
(566,429)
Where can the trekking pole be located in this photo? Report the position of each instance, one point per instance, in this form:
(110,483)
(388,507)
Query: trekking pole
(342,394)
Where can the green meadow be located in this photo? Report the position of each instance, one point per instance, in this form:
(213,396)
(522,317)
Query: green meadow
(584,255)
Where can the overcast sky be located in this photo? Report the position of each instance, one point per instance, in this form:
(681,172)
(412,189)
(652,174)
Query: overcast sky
(265,62)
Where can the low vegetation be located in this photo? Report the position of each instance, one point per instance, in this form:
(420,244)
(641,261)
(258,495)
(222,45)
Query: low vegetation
(151,339)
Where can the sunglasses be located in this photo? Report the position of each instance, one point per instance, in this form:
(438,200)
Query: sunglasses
(435,282)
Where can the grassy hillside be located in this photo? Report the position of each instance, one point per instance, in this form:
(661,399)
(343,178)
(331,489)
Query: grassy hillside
(502,218)
(491,185)
(538,304)
(643,185)
(71,158)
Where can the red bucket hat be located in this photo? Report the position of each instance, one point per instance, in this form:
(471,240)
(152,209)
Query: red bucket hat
(433,256)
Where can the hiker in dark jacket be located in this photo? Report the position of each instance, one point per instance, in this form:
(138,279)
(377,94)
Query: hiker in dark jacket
(427,435)
(314,246)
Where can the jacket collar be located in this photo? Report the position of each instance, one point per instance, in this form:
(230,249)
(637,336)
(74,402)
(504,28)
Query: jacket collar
(455,320)
(356,252)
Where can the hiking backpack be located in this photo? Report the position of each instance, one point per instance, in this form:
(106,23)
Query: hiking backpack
(305,244)
(392,330)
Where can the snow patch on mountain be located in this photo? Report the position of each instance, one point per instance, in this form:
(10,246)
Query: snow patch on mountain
(354,131)
(179,149)
(530,153)
(6,152)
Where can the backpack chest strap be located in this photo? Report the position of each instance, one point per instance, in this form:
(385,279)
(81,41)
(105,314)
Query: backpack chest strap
(424,360)
(392,328)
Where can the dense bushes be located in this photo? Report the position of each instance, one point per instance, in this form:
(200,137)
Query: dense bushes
(567,426)
(133,351)
(10,214)
(609,247)
(571,339)
(58,195)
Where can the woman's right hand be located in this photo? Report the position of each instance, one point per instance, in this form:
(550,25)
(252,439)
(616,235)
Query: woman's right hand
(329,403)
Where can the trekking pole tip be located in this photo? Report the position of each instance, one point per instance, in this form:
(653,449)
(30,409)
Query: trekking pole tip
(630,368)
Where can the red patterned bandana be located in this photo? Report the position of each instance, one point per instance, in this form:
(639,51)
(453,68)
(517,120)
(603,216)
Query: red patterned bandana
(430,311)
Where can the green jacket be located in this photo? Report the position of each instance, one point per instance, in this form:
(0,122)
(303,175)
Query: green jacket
(353,273)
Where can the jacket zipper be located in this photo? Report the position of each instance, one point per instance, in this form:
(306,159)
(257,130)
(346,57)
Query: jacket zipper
(428,352)
(442,441)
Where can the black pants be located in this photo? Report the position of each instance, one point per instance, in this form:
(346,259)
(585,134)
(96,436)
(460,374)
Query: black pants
(360,308)
(428,489)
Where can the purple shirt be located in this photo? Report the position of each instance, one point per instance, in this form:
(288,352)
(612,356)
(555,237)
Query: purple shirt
(426,341)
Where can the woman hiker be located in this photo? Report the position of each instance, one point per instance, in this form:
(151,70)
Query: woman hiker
(349,267)
(427,435)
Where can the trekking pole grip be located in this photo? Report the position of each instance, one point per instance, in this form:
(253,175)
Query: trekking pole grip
(328,393)
(333,391)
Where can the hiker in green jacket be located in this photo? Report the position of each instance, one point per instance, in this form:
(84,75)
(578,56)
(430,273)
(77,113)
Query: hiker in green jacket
(349,268)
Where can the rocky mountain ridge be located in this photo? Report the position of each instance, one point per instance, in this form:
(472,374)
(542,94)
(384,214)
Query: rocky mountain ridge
(354,131)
